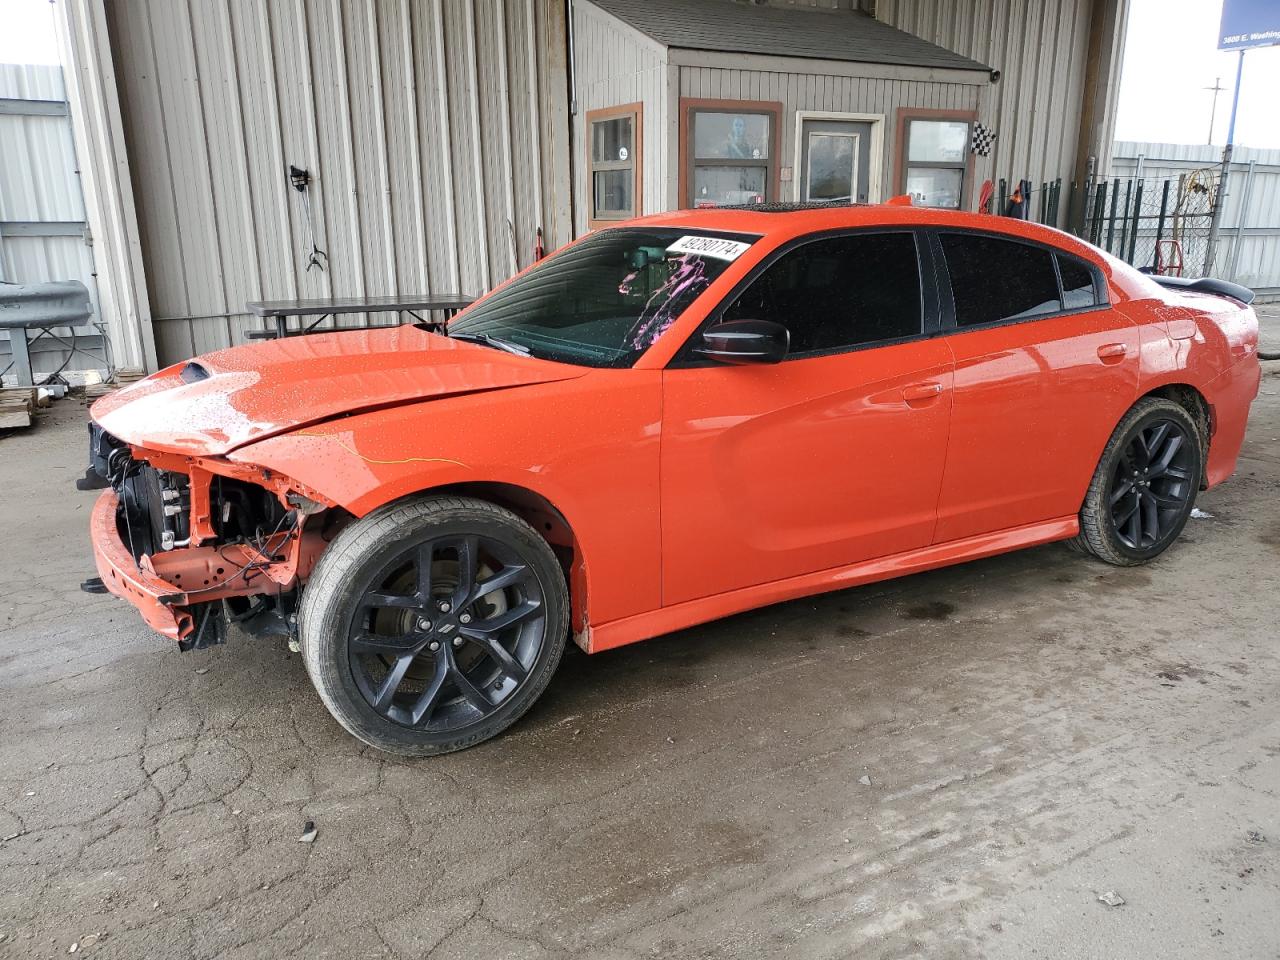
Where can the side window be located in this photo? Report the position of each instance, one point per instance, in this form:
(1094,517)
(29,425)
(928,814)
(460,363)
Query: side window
(994,279)
(732,151)
(935,163)
(839,292)
(614,163)
(1078,288)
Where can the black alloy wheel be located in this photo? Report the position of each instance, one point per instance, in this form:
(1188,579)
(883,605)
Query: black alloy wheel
(1153,484)
(447,632)
(433,623)
(1145,484)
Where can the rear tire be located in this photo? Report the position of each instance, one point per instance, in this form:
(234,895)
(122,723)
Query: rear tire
(433,624)
(1145,485)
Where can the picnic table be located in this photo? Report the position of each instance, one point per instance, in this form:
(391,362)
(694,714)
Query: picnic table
(278,312)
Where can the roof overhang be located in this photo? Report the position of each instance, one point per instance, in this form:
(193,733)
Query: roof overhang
(830,68)
(755,32)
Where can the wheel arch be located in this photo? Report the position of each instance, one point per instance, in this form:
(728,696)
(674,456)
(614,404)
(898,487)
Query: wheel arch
(551,524)
(1197,405)
(360,485)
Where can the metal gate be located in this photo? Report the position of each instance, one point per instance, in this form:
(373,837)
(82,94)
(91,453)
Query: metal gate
(1157,224)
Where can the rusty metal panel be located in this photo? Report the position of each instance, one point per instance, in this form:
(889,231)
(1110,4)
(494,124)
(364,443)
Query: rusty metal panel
(428,130)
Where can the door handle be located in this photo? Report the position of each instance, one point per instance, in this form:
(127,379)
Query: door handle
(921,393)
(1111,352)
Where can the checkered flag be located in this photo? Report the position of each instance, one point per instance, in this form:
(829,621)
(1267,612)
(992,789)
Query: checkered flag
(982,140)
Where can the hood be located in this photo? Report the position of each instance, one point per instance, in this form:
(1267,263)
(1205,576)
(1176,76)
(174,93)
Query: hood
(220,401)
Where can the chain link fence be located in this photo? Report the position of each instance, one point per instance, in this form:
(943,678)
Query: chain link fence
(1160,225)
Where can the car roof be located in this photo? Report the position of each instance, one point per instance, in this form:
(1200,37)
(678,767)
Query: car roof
(784,221)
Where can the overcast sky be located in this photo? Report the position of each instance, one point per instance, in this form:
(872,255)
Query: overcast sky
(1170,57)
(26,32)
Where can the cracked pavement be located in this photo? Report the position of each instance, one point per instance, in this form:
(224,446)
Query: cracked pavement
(1036,729)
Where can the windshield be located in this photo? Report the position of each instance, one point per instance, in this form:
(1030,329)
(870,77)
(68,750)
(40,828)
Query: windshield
(603,301)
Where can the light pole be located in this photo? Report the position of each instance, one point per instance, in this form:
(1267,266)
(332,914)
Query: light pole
(1217,88)
(1220,200)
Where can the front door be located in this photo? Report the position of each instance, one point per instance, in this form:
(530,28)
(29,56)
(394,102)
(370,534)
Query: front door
(834,455)
(835,161)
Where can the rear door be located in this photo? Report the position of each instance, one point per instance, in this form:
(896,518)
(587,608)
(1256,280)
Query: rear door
(834,455)
(1044,370)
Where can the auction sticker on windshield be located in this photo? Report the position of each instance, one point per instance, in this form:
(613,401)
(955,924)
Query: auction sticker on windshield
(715,247)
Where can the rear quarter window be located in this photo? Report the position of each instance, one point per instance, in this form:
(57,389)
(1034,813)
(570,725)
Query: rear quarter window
(1079,287)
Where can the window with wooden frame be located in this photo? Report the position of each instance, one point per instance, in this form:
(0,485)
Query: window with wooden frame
(614,142)
(729,152)
(933,157)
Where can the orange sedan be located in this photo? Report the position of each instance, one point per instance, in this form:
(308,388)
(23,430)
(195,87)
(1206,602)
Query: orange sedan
(668,421)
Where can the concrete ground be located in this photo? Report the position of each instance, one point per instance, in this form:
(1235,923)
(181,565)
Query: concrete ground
(955,764)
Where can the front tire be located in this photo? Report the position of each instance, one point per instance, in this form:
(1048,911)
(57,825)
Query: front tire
(433,624)
(1145,485)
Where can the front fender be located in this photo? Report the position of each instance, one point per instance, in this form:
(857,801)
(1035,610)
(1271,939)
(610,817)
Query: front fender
(588,446)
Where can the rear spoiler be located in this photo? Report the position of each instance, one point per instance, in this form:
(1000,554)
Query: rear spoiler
(1219,288)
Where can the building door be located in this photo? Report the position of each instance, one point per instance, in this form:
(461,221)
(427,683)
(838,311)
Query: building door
(835,160)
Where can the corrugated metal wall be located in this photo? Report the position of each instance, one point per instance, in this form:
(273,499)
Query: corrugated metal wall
(837,94)
(616,65)
(1040,48)
(1249,249)
(42,216)
(434,133)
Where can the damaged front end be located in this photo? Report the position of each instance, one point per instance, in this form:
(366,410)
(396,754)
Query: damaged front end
(198,543)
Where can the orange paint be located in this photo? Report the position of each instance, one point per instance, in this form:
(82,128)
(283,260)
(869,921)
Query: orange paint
(693,492)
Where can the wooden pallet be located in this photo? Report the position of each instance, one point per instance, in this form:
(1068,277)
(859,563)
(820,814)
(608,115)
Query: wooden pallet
(127,375)
(25,395)
(15,414)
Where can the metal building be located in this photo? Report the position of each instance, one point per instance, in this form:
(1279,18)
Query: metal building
(742,105)
(436,138)
(429,133)
(43,233)
(1250,251)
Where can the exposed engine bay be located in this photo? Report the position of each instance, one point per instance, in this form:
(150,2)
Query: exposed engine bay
(236,543)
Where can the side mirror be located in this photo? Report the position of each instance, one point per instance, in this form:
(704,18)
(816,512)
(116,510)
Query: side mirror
(745,341)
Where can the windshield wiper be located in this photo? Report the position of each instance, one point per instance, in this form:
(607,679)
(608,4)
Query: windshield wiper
(490,340)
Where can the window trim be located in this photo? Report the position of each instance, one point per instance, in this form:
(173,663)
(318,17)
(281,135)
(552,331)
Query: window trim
(691,106)
(930,317)
(904,117)
(875,171)
(747,237)
(946,297)
(636,162)
(1100,295)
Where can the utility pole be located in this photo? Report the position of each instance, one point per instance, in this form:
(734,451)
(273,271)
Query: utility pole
(1217,88)
(1220,198)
